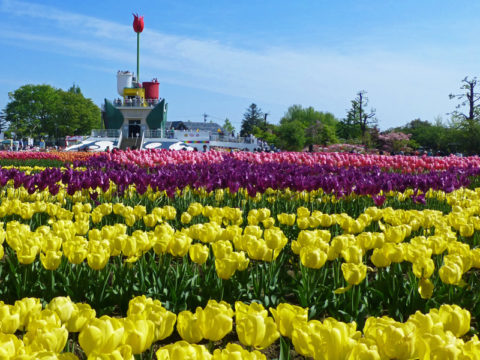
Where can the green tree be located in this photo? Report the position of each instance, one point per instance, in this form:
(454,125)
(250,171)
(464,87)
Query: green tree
(359,117)
(30,108)
(348,129)
(252,118)
(35,110)
(228,127)
(468,123)
(317,127)
(291,136)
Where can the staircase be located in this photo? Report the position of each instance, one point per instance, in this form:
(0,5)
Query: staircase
(129,143)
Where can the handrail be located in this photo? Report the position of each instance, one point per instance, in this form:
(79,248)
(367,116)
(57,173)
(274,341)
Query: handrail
(111,133)
(120,137)
(142,138)
(153,134)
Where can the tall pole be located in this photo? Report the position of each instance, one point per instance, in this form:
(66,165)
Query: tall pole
(138,28)
(138,57)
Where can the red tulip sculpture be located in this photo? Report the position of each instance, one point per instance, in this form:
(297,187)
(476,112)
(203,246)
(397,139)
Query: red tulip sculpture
(138,28)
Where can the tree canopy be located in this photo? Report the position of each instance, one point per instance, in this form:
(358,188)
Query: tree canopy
(253,117)
(318,128)
(43,110)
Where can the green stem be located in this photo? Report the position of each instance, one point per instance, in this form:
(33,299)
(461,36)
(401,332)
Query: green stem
(138,57)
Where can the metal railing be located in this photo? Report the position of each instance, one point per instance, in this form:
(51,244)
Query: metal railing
(142,139)
(110,133)
(135,102)
(147,134)
(120,137)
(224,138)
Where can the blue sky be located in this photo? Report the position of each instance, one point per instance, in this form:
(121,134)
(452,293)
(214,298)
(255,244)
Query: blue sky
(217,57)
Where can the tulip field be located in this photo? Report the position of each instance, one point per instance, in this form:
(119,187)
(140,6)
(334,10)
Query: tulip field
(189,255)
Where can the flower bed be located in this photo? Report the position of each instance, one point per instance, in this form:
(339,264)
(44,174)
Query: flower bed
(235,258)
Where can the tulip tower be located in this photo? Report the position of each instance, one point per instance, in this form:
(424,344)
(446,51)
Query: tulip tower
(138,28)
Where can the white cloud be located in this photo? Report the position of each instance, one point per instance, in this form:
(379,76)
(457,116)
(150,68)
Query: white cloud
(400,86)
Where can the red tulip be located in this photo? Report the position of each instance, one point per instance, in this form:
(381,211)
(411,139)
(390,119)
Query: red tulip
(137,23)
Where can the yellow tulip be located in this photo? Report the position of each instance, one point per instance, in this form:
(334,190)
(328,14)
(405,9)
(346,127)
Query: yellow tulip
(139,334)
(354,274)
(471,349)
(450,274)
(98,260)
(28,252)
(225,267)
(425,288)
(186,218)
(47,338)
(42,319)
(62,306)
(27,307)
(102,335)
(241,260)
(253,230)
(76,250)
(9,318)
(380,259)
(236,352)
(438,346)
(302,212)
(423,267)
(179,244)
(257,249)
(397,342)
(199,253)
(215,320)
(222,249)
(268,223)
(81,315)
(275,238)
(183,350)
(10,346)
(286,219)
(287,315)
(150,220)
(303,222)
(122,352)
(329,340)
(312,257)
(253,329)
(466,230)
(362,351)
(195,209)
(455,319)
(352,254)
(188,327)
(51,259)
